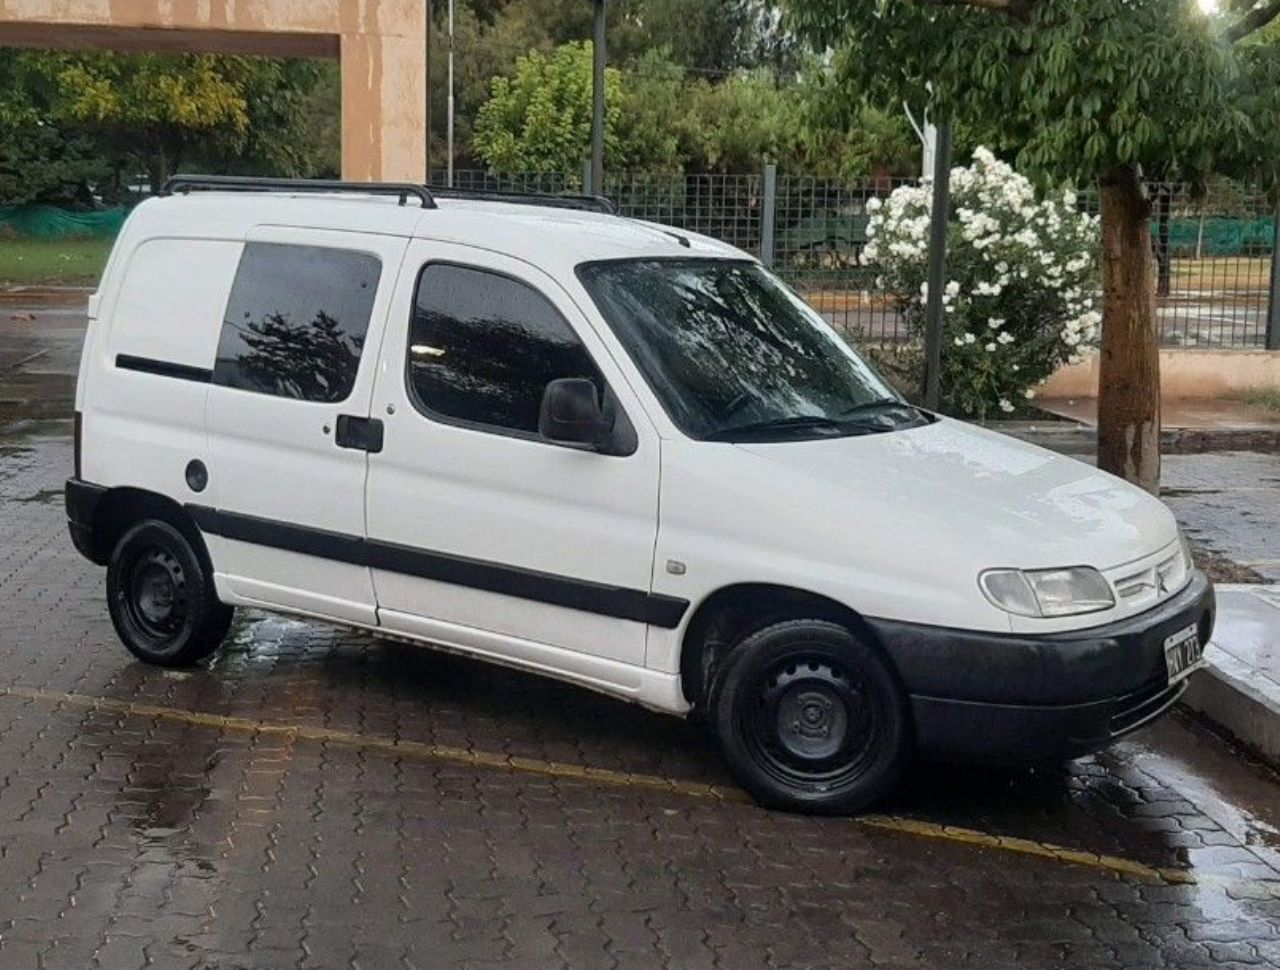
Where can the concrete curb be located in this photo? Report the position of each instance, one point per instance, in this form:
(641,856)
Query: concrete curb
(1235,696)
(1080,439)
(44,295)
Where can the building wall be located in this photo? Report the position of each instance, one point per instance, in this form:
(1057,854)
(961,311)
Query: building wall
(380,43)
(1184,374)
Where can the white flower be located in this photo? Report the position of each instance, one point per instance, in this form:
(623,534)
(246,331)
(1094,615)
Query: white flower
(970,338)
(1005,337)
(1029,393)
(959,341)
(953,289)
(874,204)
(995,323)
(1015,368)
(991,348)
(1006,405)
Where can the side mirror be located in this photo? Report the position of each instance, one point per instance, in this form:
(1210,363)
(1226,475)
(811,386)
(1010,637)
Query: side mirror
(571,414)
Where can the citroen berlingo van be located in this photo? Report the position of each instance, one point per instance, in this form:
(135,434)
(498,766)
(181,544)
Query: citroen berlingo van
(537,433)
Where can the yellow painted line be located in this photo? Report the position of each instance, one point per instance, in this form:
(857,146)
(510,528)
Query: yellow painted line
(1116,865)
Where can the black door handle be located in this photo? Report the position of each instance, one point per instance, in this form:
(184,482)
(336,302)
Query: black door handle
(362,434)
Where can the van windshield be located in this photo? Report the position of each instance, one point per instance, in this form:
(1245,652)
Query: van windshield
(734,355)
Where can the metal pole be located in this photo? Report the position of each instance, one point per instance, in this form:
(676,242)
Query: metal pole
(597,105)
(1273,308)
(768,213)
(586,176)
(426,91)
(449,146)
(937,268)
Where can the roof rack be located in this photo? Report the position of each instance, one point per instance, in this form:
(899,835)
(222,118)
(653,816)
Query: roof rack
(586,203)
(185,184)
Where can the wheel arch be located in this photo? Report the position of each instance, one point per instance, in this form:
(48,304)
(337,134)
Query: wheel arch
(727,615)
(123,507)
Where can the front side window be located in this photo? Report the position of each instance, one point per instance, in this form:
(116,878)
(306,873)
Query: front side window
(733,355)
(296,321)
(483,347)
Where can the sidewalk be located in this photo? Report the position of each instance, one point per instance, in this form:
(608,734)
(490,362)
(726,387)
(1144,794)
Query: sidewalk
(1240,687)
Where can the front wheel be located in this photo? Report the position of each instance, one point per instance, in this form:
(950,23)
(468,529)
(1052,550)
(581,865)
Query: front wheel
(810,719)
(161,597)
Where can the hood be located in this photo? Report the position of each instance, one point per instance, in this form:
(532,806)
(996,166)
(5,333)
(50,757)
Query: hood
(1012,503)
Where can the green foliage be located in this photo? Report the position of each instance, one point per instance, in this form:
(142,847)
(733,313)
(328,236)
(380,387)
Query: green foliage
(1073,88)
(540,119)
(39,160)
(660,119)
(75,121)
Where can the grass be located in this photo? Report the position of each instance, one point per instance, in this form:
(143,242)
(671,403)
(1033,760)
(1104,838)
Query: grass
(1263,397)
(59,262)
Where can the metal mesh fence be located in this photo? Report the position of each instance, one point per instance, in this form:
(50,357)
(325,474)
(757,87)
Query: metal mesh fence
(1213,251)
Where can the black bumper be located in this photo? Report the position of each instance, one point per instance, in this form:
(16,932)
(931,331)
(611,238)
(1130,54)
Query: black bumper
(82,506)
(1011,699)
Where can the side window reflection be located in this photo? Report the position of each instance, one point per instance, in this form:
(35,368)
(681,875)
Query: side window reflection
(483,347)
(296,321)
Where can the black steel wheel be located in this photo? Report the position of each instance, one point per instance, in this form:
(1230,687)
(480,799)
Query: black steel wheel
(161,596)
(810,719)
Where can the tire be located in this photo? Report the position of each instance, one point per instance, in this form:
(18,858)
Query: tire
(161,597)
(810,719)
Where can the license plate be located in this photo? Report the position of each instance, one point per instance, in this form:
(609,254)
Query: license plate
(1182,653)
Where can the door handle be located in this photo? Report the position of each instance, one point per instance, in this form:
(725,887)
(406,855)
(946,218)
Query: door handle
(360,434)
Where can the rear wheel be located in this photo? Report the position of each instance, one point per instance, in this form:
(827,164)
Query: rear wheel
(810,719)
(161,597)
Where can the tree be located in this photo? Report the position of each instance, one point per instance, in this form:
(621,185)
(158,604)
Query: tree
(153,107)
(39,160)
(539,120)
(1081,91)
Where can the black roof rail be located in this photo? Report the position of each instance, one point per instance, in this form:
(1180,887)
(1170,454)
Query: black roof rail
(185,184)
(586,203)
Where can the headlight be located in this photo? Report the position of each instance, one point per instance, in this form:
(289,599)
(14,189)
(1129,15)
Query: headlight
(1047,592)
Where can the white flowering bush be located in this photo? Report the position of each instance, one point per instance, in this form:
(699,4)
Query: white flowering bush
(1022,292)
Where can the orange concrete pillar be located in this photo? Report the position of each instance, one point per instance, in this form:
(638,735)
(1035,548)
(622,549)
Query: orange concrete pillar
(384,90)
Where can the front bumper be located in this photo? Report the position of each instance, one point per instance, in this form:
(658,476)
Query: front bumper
(1016,699)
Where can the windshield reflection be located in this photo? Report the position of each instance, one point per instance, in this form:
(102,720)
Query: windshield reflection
(733,354)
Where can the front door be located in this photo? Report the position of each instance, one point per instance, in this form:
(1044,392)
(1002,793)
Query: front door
(287,412)
(481,534)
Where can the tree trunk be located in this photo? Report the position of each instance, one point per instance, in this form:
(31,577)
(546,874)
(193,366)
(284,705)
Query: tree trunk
(157,166)
(1129,375)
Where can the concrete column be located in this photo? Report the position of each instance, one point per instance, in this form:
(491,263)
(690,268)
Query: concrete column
(384,124)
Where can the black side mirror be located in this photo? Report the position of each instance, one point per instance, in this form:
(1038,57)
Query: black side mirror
(571,414)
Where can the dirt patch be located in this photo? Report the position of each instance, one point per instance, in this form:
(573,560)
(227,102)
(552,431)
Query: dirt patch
(1220,569)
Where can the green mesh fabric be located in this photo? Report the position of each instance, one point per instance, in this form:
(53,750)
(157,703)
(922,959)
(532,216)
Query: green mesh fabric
(50,222)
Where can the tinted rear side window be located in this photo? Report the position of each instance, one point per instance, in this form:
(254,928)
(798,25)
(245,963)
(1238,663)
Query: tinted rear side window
(483,348)
(296,321)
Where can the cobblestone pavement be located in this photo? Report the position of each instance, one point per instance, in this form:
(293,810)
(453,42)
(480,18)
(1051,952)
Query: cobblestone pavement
(318,798)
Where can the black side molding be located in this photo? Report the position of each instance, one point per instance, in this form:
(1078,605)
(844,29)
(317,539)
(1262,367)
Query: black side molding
(571,592)
(164,368)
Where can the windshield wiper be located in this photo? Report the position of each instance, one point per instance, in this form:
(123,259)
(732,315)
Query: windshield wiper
(799,422)
(884,405)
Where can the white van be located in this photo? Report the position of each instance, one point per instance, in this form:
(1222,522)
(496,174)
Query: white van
(609,452)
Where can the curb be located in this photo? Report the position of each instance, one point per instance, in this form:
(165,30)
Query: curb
(1237,698)
(44,295)
(1076,439)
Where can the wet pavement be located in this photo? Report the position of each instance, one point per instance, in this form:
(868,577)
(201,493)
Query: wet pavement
(319,798)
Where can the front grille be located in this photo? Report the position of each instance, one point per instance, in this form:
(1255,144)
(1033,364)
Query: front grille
(1134,710)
